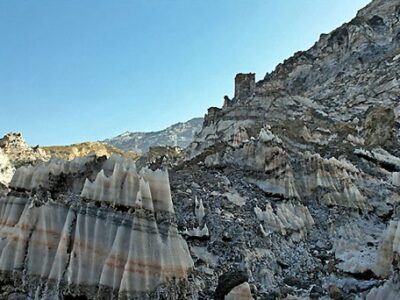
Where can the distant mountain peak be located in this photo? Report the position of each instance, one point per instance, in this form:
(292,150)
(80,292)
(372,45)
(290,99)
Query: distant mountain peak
(179,134)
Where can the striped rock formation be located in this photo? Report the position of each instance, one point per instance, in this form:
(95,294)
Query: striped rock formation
(91,227)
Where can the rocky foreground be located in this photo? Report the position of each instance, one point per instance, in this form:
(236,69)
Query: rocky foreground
(291,190)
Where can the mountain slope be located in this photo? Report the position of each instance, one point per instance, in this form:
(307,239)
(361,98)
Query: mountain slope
(180,134)
(339,78)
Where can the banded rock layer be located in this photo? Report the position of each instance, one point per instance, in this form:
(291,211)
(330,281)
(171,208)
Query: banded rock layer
(91,227)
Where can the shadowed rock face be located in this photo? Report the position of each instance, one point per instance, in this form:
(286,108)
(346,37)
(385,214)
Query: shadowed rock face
(91,227)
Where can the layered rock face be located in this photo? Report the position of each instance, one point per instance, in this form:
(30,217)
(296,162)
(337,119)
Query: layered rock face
(92,228)
(338,79)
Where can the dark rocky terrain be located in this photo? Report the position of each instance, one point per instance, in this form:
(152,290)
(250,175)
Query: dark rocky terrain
(291,190)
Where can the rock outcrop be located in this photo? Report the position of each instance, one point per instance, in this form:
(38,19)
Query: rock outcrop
(15,152)
(19,152)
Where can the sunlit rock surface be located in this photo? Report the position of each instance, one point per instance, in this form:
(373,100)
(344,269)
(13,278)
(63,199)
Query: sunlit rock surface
(6,169)
(15,152)
(19,152)
(99,227)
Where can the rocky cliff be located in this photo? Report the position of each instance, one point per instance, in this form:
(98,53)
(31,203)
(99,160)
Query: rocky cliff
(336,81)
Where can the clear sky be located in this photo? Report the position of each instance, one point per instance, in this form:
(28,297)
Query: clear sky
(79,70)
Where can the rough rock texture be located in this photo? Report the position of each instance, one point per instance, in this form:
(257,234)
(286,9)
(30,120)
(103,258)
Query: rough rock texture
(92,228)
(337,80)
(180,134)
(6,169)
(311,155)
(15,152)
(161,156)
(19,152)
(379,127)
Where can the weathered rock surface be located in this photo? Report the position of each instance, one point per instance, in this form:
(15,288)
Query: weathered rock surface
(15,152)
(379,127)
(19,152)
(312,149)
(6,169)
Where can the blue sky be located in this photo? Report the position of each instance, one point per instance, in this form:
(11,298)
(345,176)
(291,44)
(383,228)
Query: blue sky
(79,70)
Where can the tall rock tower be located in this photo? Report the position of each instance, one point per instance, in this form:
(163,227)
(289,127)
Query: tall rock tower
(244,85)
